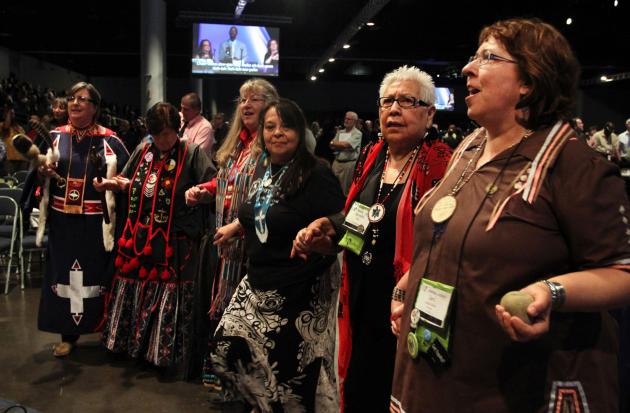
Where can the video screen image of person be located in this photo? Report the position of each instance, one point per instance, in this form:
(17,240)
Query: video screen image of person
(272,56)
(205,50)
(233,50)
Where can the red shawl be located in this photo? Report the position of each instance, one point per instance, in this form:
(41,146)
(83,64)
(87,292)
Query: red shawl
(428,169)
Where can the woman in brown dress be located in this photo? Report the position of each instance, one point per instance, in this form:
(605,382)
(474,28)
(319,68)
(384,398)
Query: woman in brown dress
(527,206)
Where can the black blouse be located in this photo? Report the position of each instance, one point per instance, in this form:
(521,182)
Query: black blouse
(270,266)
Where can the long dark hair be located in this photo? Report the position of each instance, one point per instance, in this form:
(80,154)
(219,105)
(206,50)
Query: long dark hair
(303,162)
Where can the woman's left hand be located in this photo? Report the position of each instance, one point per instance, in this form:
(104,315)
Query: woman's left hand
(539,311)
(226,233)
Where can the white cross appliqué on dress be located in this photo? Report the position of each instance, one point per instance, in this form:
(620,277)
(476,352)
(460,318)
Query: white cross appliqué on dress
(261,227)
(76,292)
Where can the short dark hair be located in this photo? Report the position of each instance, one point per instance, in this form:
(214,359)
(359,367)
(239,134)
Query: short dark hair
(160,116)
(546,64)
(59,101)
(92,91)
(292,117)
(194,100)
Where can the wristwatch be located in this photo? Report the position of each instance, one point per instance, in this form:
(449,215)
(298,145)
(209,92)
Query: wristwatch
(558,294)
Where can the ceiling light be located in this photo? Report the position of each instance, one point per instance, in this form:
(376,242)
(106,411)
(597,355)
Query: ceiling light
(346,46)
(438,75)
(372,23)
(321,70)
(569,21)
(605,79)
(616,3)
(332,59)
(313,77)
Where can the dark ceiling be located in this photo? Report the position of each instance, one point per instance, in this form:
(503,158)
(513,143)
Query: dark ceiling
(103,38)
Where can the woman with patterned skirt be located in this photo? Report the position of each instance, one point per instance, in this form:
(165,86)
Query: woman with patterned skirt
(275,342)
(151,305)
(236,161)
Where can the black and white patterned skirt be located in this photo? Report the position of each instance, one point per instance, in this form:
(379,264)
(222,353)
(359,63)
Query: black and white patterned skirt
(276,348)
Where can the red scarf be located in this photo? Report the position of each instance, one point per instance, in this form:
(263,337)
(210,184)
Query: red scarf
(427,170)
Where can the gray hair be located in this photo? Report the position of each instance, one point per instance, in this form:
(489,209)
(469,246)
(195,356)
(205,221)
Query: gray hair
(424,80)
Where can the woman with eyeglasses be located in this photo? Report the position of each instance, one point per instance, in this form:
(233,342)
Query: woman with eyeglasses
(525,207)
(376,230)
(80,261)
(275,343)
(236,161)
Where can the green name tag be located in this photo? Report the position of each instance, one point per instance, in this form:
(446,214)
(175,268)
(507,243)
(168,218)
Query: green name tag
(352,242)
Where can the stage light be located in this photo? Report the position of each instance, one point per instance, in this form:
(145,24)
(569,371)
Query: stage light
(332,59)
(346,46)
(372,23)
(313,78)
(322,70)
(569,21)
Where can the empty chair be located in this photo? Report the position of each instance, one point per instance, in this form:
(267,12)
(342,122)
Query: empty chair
(16,194)
(10,211)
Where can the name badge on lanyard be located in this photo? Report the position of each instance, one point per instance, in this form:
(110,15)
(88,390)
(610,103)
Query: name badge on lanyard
(357,223)
(430,327)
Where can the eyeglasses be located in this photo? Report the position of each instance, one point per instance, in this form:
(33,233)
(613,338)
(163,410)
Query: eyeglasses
(81,99)
(253,99)
(487,57)
(405,102)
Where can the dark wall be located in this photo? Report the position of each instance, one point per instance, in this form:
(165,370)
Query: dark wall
(322,101)
(606,102)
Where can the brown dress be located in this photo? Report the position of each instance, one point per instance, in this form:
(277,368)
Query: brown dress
(579,220)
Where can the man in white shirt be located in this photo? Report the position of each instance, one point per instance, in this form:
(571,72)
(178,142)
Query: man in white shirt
(624,138)
(232,50)
(347,146)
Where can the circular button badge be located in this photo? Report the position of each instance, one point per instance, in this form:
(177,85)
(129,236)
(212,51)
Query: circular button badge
(412,345)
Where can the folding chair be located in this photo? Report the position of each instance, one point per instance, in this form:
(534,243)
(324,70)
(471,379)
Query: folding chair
(16,195)
(10,211)
(28,248)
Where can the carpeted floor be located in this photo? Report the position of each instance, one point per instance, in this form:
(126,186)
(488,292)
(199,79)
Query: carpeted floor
(89,380)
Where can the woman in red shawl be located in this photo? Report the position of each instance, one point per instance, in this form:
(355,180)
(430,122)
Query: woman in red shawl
(376,228)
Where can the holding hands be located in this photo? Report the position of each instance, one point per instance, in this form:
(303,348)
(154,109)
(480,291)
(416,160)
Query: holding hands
(317,237)
(226,233)
(196,195)
(117,183)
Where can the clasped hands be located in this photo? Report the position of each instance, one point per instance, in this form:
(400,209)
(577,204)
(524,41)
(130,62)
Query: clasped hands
(196,195)
(117,183)
(316,237)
